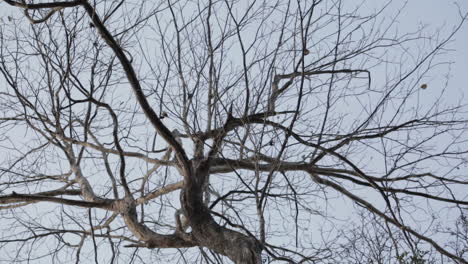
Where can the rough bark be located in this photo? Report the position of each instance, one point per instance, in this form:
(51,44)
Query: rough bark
(207,232)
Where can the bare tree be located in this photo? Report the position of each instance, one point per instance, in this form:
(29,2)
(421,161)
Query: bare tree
(208,131)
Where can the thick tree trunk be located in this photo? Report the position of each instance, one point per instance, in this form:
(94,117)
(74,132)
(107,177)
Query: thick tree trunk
(240,248)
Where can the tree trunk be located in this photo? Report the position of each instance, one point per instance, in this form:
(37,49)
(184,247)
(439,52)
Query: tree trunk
(240,248)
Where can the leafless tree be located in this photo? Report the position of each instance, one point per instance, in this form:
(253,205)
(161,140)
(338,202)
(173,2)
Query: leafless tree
(307,131)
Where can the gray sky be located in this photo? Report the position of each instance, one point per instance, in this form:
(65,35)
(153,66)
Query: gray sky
(437,13)
(444,14)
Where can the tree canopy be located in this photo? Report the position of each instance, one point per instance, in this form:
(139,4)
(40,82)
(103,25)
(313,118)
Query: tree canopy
(308,131)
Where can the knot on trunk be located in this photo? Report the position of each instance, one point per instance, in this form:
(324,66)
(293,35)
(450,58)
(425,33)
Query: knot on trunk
(247,251)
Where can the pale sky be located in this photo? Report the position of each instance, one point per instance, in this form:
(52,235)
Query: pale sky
(443,14)
(436,13)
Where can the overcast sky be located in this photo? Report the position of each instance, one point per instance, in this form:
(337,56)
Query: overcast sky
(443,14)
(437,14)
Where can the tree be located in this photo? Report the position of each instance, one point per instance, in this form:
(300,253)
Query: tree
(213,130)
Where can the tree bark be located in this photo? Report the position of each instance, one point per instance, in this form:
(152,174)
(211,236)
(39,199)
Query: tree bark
(240,248)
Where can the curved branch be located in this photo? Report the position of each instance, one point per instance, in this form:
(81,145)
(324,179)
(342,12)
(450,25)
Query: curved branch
(391,220)
(137,89)
(16,198)
(54,4)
